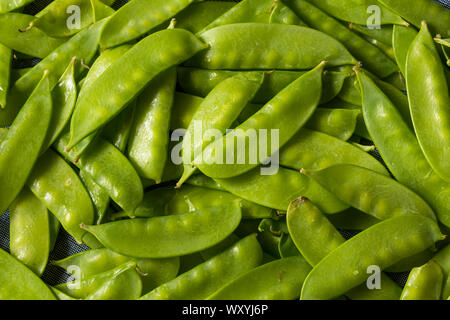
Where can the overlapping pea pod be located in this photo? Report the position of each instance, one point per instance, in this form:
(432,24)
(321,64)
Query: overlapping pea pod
(170,236)
(118,130)
(371,192)
(100,198)
(8,5)
(397,80)
(154,272)
(287,112)
(382,245)
(352,219)
(123,80)
(264,46)
(372,57)
(137,17)
(424,283)
(315,237)
(443,259)
(5,73)
(430,105)
(383,34)
(19,282)
(83,46)
(208,277)
(21,146)
(402,37)
(400,150)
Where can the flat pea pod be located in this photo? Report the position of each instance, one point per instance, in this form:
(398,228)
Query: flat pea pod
(8,5)
(400,150)
(118,131)
(277,114)
(263,46)
(443,258)
(315,237)
(402,37)
(112,91)
(17,282)
(100,198)
(312,150)
(372,57)
(138,17)
(55,183)
(424,283)
(423,10)
(382,34)
(148,146)
(339,123)
(277,280)
(29,231)
(384,244)
(285,186)
(20,148)
(5,73)
(430,106)
(175,235)
(371,192)
(208,277)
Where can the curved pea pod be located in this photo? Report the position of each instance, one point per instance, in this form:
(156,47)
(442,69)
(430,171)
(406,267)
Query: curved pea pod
(20,148)
(112,90)
(138,17)
(314,150)
(118,131)
(383,245)
(148,146)
(402,37)
(29,231)
(208,277)
(263,46)
(371,192)
(55,183)
(277,280)
(5,73)
(174,235)
(383,34)
(339,123)
(284,187)
(443,259)
(8,5)
(424,283)
(423,10)
(430,106)
(400,149)
(20,283)
(267,130)
(100,198)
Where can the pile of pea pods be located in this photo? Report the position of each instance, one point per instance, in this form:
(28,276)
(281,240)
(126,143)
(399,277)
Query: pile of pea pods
(100,138)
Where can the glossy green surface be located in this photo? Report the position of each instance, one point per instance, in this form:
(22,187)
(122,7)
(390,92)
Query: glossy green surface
(402,37)
(5,73)
(424,283)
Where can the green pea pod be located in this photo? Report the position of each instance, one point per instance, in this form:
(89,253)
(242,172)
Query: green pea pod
(284,187)
(184,107)
(263,46)
(100,198)
(352,219)
(339,123)
(8,5)
(220,247)
(430,106)
(61,295)
(5,73)
(400,149)
(287,248)
(349,92)
(397,80)
(20,148)
(208,277)
(55,183)
(200,180)
(277,117)
(217,112)
(382,34)
(149,141)
(137,18)
(118,131)
(29,231)
(112,91)
(384,244)
(20,283)
(373,193)
(424,283)
(176,235)
(414,261)
(402,38)
(443,258)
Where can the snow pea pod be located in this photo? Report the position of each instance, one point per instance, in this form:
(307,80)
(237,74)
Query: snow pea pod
(382,245)
(430,105)
(371,192)
(118,131)
(172,236)
(253,46)
(208,277)
(424,283)
(8,5)
(20,148)
(349,92)
(443,258)
(61,295)
(400,149)
(414,261)
(278,115)
(100,198)
(17,282)
(372,57)
(113,90)
(55,183)
(149,141)
(184,107)
(383,34)
(137,17)
(339,123)
(402,37)
(352,219)
(5,73)
(397,80)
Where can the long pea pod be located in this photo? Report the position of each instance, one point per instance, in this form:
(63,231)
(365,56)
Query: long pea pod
(100,198)
(424,283)
(402,37)
(20,148)
(382,34)
(8,5)
(5,73)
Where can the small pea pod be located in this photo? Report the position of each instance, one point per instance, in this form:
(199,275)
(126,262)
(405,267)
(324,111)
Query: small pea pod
(5,73)
(8,5)
(100,198)
(424,283)
(208,277)
(383,245)
(430,106)
(402,38)
(148,147)
(20,148)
